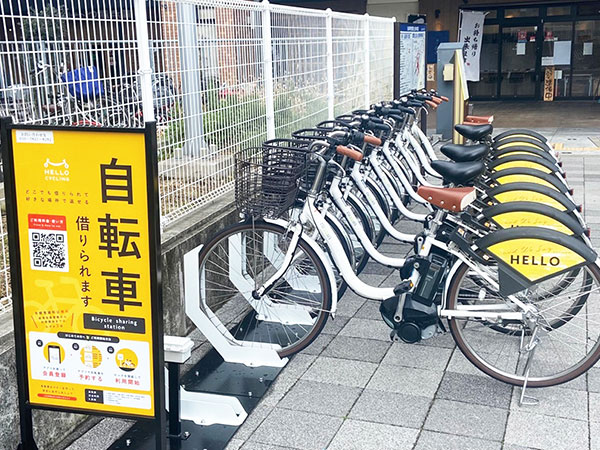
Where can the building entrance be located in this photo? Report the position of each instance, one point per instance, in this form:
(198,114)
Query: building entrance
(520,43)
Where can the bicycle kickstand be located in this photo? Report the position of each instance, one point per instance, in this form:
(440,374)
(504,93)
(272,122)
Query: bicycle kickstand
(530,347)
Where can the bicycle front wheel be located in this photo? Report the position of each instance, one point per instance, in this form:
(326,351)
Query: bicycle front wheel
(238,261)
(564,330)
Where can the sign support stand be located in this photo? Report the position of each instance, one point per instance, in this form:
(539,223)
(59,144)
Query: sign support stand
(155,280)
(26,418)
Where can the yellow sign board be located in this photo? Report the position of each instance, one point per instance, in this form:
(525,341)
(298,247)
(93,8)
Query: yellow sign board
(83,217)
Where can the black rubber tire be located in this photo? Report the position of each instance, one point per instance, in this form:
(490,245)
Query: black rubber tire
(320,268)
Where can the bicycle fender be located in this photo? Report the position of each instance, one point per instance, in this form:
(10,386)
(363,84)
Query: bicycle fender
(531,192)
(527,175)
(531,161)
(518,140)
(321,254)
(530,214)
(523,150)
(528,255)
(520,132)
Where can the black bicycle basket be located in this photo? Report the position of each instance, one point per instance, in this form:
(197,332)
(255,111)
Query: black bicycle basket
(268,177)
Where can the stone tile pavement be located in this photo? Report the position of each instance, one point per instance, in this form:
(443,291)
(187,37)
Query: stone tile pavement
(354,389)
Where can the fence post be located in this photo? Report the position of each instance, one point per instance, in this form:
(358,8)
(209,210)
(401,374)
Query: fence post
(268,68)
(145,69)
(329,38)
(367,64)
(191,80)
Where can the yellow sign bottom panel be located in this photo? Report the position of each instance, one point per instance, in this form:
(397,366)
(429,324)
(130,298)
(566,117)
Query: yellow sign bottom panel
(90,372)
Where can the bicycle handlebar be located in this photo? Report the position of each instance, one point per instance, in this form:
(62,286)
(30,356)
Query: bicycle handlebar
(349,152)
(372,140)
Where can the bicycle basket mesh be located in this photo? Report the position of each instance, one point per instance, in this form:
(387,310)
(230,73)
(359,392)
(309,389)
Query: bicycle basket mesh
(310,134)
(268,177)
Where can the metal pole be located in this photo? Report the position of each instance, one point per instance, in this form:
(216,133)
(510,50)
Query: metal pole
(175,436)
(329,38)
(397,92)
(459,103)
(424,113)
(145,69)
(367,64)
(268,68)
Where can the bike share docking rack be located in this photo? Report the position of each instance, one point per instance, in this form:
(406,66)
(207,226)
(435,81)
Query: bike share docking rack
(212,400)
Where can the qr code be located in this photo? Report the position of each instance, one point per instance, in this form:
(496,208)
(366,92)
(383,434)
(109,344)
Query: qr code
(48,250)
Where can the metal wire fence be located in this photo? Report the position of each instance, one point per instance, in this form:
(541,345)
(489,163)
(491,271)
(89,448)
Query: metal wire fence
(226,74)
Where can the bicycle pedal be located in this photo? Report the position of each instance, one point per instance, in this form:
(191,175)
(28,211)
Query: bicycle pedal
(403,287)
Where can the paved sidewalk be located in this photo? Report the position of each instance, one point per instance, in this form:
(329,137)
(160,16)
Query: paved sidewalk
(354,389)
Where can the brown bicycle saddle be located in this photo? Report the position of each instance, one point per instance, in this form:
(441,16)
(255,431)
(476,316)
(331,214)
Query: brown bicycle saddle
(451,199)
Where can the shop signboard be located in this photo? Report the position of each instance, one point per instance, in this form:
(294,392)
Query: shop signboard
(83,227)
(549,84)
(412,56)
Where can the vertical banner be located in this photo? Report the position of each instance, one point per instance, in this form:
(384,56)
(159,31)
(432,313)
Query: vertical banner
(470,35)
(412,56)
(84,264)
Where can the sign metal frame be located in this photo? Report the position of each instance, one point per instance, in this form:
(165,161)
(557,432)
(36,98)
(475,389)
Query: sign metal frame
(27,441)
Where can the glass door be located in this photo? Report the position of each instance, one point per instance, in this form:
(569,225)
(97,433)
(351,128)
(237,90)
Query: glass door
(519,61)
(586,55)
(556,52)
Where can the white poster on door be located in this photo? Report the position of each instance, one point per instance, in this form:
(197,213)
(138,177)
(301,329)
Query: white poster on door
(470,35)
(562,53)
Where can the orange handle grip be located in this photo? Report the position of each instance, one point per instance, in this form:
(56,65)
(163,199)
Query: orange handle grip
(436,100)
(430,103)
(350,153)
(446,99)
(369,139)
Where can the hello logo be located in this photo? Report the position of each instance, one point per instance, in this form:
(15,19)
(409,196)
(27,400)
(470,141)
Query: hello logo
(56,171)
(533,260)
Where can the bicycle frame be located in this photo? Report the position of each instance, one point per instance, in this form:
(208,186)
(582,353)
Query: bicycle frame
(336,251)
(359,182)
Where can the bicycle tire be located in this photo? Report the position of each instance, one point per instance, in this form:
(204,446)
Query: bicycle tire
(244,324)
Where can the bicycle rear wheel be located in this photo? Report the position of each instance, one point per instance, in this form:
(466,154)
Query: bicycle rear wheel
(566,325)
(238,261)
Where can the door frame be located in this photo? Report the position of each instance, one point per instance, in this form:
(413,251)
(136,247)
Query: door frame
(522,22)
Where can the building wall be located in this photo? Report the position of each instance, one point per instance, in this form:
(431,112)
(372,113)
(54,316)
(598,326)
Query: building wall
(349,6)
(397,9)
